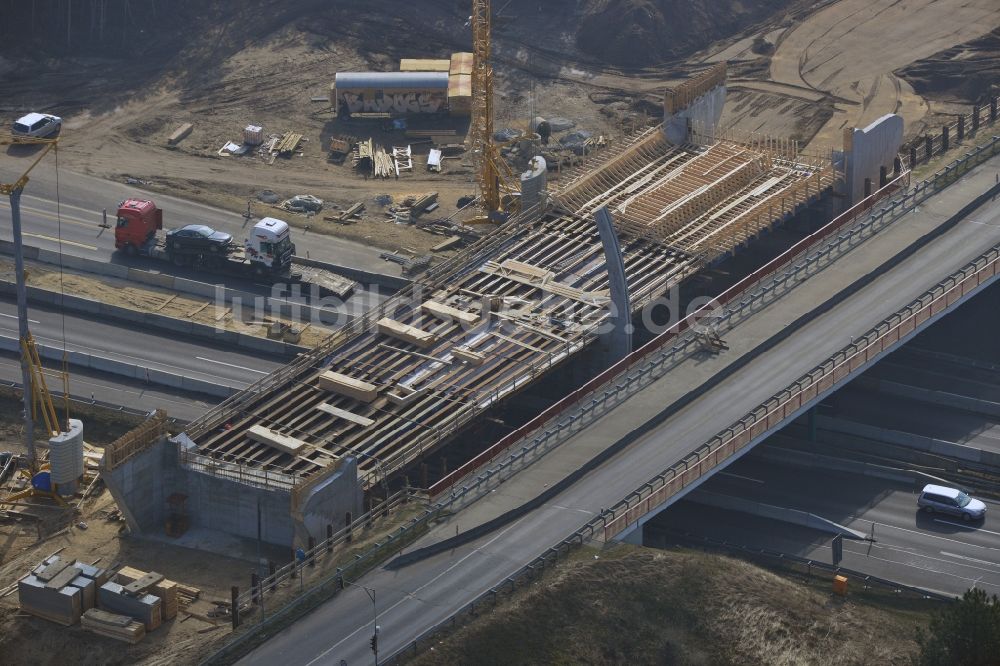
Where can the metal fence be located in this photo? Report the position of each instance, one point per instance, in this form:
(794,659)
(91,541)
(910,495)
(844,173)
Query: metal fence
(923,148)
(236,472)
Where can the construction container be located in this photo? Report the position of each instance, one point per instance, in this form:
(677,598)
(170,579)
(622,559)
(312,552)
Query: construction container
(253,135)
(390,92)
(66,463)
(840,585)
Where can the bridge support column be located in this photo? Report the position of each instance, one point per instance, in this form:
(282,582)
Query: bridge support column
(619,339)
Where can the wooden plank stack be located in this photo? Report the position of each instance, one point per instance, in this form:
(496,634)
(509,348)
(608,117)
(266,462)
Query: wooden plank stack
(288,143)
(112,625)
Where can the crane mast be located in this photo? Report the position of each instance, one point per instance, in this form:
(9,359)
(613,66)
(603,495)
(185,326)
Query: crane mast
(495,176)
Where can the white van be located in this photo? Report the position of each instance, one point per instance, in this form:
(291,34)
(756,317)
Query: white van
(37,126)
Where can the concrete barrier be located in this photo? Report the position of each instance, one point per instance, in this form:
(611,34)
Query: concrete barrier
(358,275)
(779,513)
(943,398)
(909,440)
(154,320)
(281,307)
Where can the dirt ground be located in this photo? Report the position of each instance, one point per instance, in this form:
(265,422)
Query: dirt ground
(151,299)
(92,533)
(632,605)
(798,69)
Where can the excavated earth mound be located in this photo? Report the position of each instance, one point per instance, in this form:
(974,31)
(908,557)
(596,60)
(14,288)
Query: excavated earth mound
(640,33)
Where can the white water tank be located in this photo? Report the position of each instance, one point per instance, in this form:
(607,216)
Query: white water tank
(66,456)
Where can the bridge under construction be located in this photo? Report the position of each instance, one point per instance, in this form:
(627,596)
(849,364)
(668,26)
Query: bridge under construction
(407,377)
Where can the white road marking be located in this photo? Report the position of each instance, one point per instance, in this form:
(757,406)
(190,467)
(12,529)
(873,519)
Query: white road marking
(238,367)
(15,317)
(924,533)
(410,595)
(737,476)
(967,527)
(970,559)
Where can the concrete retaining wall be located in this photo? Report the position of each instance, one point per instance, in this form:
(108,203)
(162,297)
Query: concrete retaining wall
(124,369)
(141,485)
(329,502)
(910,440)
(154,320)
(943,398)
(779,513)
(217,293)
(393,282)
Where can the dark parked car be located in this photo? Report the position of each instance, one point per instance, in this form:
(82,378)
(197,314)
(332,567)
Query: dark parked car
(198,238)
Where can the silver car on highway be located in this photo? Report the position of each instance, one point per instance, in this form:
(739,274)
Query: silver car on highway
(941,499)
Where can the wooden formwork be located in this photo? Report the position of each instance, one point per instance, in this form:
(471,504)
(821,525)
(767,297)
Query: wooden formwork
(537,301)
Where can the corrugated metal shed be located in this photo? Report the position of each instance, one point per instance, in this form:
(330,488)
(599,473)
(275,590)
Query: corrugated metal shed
(389,80)
(421,65)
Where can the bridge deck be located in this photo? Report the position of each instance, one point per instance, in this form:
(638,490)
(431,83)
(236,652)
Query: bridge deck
(438,362)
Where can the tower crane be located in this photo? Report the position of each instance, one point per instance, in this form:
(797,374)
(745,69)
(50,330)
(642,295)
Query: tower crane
(37,399)
(497,183)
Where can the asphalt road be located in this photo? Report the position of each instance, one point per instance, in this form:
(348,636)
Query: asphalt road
(416,597)
(920,418)
(939,553)
(84,197)
(86,384)
(142,347)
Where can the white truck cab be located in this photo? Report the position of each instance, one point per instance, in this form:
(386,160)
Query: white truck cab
(270,244)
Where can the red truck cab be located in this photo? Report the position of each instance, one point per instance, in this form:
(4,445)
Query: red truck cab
(138,222)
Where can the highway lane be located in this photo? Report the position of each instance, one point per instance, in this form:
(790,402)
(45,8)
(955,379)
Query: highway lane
(143,347)
(939,375)
(83,198)
(86,384)
(936,552)
(920,418)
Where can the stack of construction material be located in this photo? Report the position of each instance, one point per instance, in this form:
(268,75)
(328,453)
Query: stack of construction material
(62,604)
(132,600)
(60,590)
(165,589)
(424,65)
(460,84)
(120,627)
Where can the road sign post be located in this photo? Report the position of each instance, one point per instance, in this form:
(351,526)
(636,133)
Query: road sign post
(838,549)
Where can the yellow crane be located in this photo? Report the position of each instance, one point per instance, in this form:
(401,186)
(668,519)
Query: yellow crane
(497,183)
(37,398)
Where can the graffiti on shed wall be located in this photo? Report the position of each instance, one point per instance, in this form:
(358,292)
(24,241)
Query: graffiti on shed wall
(390,102)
